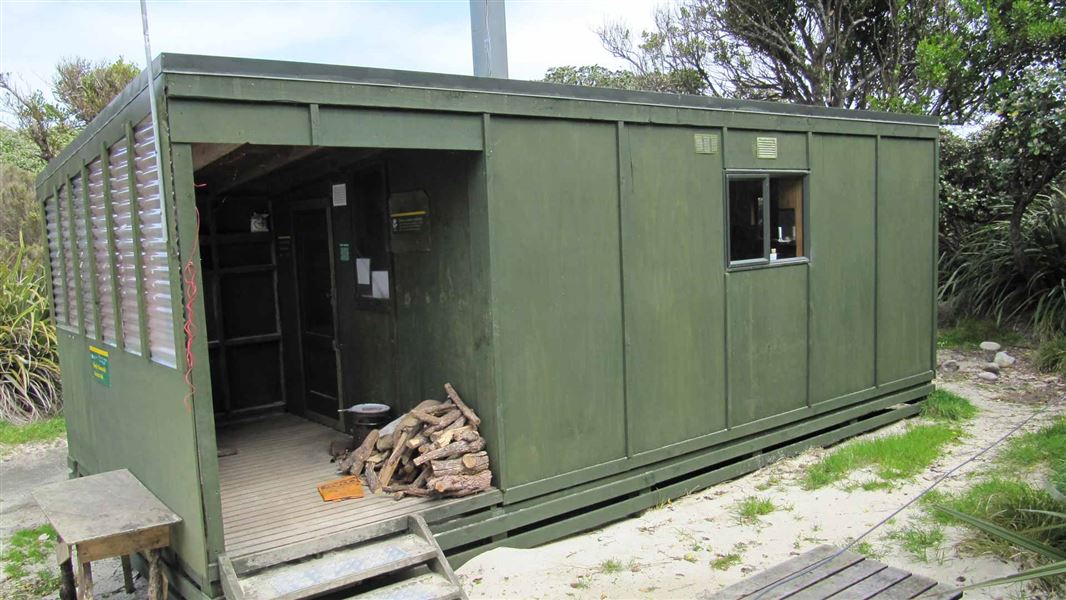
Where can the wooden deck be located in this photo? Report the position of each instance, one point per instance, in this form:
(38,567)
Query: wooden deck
(849,576)
(269,495)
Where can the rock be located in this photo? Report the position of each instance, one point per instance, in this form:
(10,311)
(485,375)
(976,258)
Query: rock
(950,366)
(990,346)
(1003,359)
(985,375)
(990,368)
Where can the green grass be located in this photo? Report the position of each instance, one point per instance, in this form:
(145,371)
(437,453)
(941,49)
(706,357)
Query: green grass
(943,405)
(748,510)
(918,540)
(1044,447)
(867,549)
(26,559)
(726,562)
(1051,356)
(895,457)
(611,566)
(36,431)
(968,333)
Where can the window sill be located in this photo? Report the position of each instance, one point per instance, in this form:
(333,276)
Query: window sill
(751,265)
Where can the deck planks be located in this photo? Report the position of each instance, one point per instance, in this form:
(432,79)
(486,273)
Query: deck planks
(847,576)
(269,488)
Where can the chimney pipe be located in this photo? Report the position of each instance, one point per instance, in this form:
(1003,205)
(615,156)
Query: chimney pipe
(488,35)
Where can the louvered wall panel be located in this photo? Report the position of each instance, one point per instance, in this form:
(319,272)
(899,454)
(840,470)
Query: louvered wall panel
(98,213)
(68,257)
(154,248)
(81,269)
(55,260)
(125,244)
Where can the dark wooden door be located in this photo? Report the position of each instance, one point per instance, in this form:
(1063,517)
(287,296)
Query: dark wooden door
(315,294)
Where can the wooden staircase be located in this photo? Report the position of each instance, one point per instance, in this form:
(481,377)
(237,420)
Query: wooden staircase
(391,560)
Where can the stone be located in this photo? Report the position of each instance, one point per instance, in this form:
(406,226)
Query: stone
(990,368)
(1003,359)
(990,346)
(985,375)
(950,366)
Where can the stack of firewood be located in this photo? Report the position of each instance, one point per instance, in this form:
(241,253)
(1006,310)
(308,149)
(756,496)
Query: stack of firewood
(433,450)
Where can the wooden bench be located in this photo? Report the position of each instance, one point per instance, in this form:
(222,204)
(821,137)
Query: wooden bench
(104,516)
(849,576)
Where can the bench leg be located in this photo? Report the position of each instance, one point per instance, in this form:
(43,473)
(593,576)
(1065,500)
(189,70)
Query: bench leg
(155,577)
(85,581)
(67,590)
(127,574)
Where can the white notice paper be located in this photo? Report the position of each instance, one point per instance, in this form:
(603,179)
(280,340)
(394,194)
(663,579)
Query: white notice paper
(340,194)
(380,284)
(362,271)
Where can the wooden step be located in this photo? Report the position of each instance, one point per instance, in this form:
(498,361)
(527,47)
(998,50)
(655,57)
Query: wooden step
(430,586)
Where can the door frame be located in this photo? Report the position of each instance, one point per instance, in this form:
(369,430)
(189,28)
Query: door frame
(310,205)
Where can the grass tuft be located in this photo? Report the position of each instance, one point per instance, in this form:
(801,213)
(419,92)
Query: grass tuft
(26,559)
(748,510)
(968,333)
(1037,448)
(726,562)
(918,541)
(899,456)
(943,405)
(35,431)
(611,566)
(1051,356)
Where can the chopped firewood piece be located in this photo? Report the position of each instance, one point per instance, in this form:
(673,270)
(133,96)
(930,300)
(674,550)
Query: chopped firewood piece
(453,395)
(377,457)
(426,448)
(420,481)
(459,483)
(476,462)
(416,441)
(372,482)
(440,409)
(384,441)
(425,417)
(447,420)
(452,449)
(443,438)
(469,464)
(415,491)
(353,463)
(389,467)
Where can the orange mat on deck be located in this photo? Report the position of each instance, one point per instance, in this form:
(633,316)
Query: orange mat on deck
(341,489)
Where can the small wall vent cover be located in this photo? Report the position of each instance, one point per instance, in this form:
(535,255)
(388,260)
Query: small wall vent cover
(706,143)
(765,147)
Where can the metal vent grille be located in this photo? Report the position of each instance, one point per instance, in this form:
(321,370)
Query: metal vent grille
(706,143)
(154,248)
(55,260)
(98,220)
(765,147)
(68,257)
(82,265)
(125,245)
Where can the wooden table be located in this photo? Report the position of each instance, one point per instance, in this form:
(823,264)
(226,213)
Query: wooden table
(849,576)
(103,516)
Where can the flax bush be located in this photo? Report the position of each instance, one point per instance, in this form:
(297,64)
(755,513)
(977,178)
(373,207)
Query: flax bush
(29,365)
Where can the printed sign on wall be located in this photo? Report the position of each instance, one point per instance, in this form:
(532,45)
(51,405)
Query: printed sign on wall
(100,363)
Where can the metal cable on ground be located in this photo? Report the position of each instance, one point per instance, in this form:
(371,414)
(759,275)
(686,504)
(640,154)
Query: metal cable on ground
(905,506)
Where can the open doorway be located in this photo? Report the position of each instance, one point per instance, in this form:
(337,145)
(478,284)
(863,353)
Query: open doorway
(331,277)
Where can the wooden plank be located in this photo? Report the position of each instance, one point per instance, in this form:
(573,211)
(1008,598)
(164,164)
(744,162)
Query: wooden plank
(124,544)
(766,578)
(841,581)
(910,587)
(873,585)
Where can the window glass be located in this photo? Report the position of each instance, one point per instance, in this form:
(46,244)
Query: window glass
(746,219)
(786,217)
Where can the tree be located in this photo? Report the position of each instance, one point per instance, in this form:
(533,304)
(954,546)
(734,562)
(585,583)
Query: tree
(81,90)
(955,58)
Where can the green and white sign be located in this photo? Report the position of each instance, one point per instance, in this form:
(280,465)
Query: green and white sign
(100,363)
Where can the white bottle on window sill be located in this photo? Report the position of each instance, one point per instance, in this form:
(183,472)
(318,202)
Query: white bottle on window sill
(773,254)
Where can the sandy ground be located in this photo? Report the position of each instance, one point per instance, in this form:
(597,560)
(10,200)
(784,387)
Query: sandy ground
(667,552)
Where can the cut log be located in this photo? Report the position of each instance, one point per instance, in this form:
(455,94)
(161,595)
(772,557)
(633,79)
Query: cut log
(426,448)
(416,441)
(469,464)
(467,436)
(452,449)
(353,463)
(394,459)
(443,438)
(420,481)
(453,395)
(441,408)
(446,421)
(372,481)
(415,491)
(425,417)
(385,441)
(461,483)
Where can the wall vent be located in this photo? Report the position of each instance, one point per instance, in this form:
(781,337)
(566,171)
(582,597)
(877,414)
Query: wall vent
(765,147)
(706,143)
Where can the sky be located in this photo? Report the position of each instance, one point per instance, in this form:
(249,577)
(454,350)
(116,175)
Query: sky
(415,35)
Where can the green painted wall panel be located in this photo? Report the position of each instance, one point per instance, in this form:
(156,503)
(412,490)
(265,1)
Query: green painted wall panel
(740,150)
(767,342)
(399,129)
(553,208)
(842,265)
(674,289)
(139,423)
(906,200)
(239,122)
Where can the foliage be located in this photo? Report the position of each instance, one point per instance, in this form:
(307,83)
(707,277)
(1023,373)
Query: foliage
(81,90)
(943,405)
(725,562)
(18,150)
(43,430)
(918,541)
(982,278)
(26,559)
(967,333)
(1036,448)
(950,57)
(29,384)
(20,217)
(897,456)
(1051,355)
(597,76)
(748,510)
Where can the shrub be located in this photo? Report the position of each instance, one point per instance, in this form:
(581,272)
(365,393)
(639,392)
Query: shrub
(30,386)
(1051,356)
